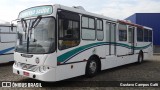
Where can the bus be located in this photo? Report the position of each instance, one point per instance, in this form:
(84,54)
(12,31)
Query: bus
(7,42)
(57,42)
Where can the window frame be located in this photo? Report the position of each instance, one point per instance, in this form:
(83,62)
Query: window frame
(150,38)
(146,36)
(99,29)
(10,32)
(82,15)
(58,37)
(122,30)
(89,17)
(142,33)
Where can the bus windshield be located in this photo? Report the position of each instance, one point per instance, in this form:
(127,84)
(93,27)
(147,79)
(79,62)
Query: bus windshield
(37,40)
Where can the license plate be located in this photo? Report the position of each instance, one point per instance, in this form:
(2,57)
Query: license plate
(26,73)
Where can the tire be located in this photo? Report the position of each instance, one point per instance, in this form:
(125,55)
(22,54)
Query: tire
(91,68)
(140,58)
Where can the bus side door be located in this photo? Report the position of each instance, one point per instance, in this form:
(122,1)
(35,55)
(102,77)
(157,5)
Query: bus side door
(131,40)
(110,38)
(122,40)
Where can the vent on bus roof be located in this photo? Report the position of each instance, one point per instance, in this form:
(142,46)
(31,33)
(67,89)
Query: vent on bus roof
(79,7)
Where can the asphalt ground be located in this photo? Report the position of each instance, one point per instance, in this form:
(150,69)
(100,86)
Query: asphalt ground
(148,71)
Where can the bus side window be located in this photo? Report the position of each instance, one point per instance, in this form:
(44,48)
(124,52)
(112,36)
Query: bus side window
(6,36)
(69,31)
(4,29)
(150,36)
(140,35)
(146,35)
(88,28)
(100,34)
(122,32)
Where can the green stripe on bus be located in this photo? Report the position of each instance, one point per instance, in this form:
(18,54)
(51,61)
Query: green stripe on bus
(69,54)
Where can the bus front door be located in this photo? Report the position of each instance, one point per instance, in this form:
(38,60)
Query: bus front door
(131,41)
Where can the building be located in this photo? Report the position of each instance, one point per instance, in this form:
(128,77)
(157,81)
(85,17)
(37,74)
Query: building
(151,20)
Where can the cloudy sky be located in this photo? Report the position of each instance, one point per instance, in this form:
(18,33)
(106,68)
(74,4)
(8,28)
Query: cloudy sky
(118,9)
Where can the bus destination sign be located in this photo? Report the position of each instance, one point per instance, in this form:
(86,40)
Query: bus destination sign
(36,11)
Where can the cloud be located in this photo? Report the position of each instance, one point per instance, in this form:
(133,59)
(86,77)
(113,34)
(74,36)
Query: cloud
(121,9)
(37,1)
(10,8)
(118,9)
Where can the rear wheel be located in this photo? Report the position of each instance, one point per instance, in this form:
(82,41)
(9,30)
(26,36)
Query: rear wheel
(91,68)
(140,58)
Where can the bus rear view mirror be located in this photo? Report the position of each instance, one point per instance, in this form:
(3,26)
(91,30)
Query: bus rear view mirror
(12,25)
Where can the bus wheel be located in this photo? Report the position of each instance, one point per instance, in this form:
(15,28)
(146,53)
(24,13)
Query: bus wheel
(91,68)
(140,58)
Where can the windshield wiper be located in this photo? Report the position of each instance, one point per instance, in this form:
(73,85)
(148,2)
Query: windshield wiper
(33,25)
(28,31)
(36,22)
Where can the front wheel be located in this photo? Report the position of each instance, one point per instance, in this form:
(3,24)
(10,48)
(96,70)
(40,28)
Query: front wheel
(91,68)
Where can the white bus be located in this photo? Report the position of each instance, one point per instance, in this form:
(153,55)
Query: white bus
(58,42)
(7,42)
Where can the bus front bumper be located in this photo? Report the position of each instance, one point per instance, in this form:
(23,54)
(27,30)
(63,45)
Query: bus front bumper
(48,76)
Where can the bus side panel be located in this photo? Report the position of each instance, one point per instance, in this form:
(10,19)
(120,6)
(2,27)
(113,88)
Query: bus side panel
(6,52)
(113,61)
(150,51)
(51,60)
(122,50)
(6,58)
(146,51)
(70,70)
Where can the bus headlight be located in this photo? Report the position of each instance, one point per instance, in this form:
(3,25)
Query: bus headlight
(42,68)
(37,60)
(16,64)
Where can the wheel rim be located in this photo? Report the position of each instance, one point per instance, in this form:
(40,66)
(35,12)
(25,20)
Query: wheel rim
(93,66)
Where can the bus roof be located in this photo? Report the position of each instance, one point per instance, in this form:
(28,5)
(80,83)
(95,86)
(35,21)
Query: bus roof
(133,24)
(145,27)
(129,23)
(83,12)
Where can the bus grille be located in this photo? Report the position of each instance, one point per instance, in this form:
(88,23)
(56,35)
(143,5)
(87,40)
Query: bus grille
(28,67)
